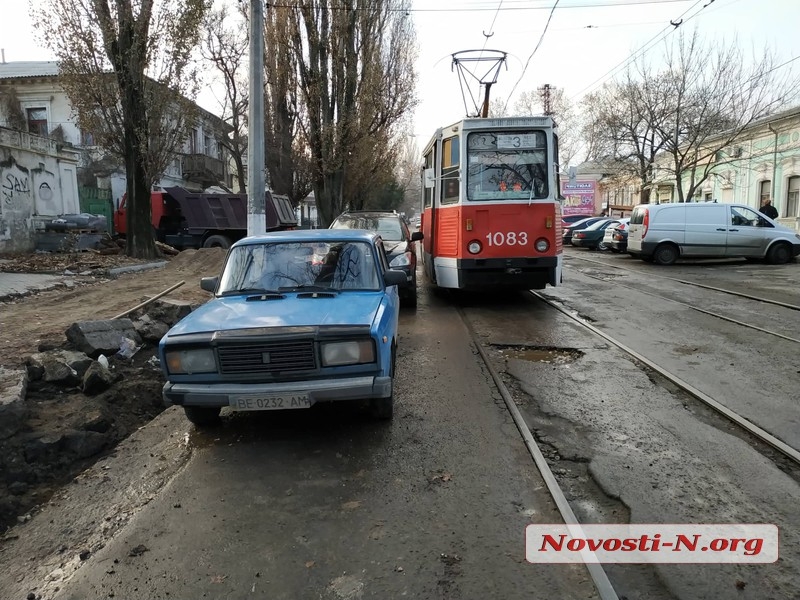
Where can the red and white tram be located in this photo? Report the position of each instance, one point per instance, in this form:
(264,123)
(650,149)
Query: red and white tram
(491,215)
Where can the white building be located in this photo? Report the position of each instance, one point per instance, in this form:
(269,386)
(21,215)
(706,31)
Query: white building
(44,110)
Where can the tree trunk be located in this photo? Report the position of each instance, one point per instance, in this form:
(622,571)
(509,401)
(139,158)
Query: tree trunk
(140,242)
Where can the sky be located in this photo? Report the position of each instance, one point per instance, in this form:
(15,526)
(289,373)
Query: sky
(584,42)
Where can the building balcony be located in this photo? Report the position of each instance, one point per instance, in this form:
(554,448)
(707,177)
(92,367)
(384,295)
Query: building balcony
(203,169)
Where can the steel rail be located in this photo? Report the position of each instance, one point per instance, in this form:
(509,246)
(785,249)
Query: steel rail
(598,575)
(700,285)
(700,310)
(733,416)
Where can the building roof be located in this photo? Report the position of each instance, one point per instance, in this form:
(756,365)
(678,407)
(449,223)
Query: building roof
(28,68)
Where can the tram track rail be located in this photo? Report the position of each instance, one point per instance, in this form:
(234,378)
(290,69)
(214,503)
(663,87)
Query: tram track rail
(599,577)
(751,428)
(700,310)
(692,283)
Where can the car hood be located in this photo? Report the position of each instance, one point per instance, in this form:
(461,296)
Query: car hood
(235,312)
(394,247)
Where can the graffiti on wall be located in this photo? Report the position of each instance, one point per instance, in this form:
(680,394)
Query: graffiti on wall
(16,197)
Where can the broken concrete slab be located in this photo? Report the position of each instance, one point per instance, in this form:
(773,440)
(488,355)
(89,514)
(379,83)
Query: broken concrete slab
(102,337)
(46,365)
(98,379)
(151,330)
(13,410)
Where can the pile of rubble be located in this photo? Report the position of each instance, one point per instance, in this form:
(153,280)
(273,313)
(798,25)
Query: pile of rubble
(72,403)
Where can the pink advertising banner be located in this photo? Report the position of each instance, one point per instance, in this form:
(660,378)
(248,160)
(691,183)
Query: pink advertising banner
(578,197)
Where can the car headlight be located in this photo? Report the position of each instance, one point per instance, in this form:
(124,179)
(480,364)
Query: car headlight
(353,352)
(403,260)
(191,361)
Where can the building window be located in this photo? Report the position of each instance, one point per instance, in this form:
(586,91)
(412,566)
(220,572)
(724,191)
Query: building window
(194,141)
(793,198)
(765,192)
(37,121)
(210,147)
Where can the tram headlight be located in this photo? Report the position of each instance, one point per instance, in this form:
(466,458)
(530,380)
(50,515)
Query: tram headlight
(542,245)
(474,247)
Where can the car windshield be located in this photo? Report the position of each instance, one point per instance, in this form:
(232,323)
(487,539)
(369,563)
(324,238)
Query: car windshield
(601,224)
(295,266)
(388,227)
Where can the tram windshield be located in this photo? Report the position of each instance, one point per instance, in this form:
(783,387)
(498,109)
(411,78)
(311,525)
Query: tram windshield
(507,165)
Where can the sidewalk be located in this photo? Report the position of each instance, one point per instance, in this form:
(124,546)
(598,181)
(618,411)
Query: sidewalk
(22,284)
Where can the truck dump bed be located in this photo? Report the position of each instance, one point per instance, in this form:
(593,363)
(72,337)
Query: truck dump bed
(226,212)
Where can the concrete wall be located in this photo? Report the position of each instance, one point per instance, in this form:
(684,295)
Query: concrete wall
(38,181)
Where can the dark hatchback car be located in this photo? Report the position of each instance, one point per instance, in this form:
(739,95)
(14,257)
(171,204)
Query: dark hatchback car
(398,242)
(592,236)
(582,224)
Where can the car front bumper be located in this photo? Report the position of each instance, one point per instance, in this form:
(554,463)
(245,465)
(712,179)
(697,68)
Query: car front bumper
(322,390)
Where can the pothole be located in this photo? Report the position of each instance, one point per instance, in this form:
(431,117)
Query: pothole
(543,354)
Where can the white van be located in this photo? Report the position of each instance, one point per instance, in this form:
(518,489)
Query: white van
(662,233)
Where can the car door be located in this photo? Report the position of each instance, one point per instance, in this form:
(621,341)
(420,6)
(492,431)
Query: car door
(745,236)
(706,230)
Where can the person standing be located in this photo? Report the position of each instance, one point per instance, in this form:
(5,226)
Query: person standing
(769,210)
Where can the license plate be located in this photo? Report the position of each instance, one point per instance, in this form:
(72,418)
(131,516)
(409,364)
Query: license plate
(288,401)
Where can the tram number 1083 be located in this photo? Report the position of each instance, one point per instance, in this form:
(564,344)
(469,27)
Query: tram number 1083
(510,238)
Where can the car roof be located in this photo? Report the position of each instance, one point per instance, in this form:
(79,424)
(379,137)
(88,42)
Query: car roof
(369,213)
(311,235)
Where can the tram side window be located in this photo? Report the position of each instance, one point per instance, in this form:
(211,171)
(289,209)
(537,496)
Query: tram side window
(450,173)
(427,192)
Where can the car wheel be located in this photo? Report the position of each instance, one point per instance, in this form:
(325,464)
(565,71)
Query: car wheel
(383,408)
(665,254)
(410,299)
(602,246)
(202,416)
(779,254)
(217,241)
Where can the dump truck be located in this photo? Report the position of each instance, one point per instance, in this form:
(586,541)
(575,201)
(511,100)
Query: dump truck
(184,219)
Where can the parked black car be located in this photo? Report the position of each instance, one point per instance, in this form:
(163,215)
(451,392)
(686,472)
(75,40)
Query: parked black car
(592,236)
(397,240)
(582,224)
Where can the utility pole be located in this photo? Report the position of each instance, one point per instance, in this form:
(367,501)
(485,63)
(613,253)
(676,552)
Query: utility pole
(256,198)
(547,101)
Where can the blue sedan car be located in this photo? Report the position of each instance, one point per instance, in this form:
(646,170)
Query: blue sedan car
(298,317)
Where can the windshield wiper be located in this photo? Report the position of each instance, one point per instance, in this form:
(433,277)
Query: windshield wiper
(252,290)
(308,287)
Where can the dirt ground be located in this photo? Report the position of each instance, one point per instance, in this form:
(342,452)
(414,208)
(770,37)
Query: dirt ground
(67,431)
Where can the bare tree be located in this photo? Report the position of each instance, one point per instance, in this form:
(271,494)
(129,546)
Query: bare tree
(289,161)
(353,64)
(714,97)
(225,46)
(688,113)
(126,67)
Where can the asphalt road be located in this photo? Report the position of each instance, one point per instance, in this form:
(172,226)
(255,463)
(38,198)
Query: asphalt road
(329,504)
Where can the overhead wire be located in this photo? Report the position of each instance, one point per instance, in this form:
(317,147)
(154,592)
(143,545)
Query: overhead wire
(648,45)
(528,62)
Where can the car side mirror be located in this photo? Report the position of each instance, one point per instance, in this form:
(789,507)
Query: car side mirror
(417,236)
(209,284)
(394,277)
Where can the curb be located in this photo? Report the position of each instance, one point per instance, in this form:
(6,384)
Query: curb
(135,268)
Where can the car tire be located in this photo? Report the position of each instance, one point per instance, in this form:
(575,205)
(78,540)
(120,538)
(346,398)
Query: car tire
(217,241)
(665,254)
(601,246)
(202,416)
(383,408)
(410,299)
(779,254)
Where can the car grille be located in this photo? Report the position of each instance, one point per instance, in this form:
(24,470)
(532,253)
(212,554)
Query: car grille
(272,357)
